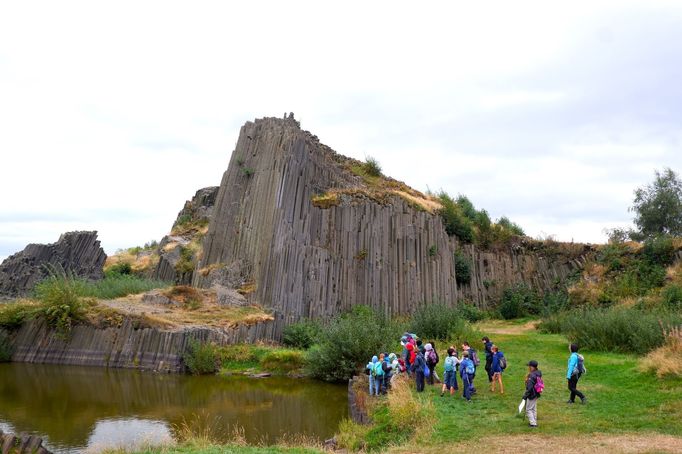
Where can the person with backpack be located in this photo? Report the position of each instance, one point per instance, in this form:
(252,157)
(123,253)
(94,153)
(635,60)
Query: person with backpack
(387,368)
(418,370)
(473,356)
(488,344)
(467,370)
(450,377)
(431,360)
(534,388)
(370,373)
(435,371)
(576,368)
(378,374)
(411,357)
(497,366)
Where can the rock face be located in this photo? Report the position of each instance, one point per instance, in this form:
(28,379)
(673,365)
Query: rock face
(24,444)
(76,252)
(315,261)
(126,346)
(176,249)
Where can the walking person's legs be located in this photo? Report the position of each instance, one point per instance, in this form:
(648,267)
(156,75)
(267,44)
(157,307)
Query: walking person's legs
(532,412)
(489,367)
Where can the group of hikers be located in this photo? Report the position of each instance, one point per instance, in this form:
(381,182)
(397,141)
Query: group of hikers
(419,360)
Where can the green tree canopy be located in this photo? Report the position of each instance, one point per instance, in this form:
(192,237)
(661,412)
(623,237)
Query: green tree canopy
(658,206)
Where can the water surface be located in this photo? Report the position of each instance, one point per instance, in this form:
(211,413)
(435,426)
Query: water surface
(74,407)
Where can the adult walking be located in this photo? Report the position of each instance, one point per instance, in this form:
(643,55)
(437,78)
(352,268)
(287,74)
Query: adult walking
(418,370)
(573,374)
(488,346)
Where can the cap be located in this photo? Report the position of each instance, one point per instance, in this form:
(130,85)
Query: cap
(533,363)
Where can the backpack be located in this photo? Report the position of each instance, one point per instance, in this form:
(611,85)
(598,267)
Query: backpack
(473,356)
(449,366)
(378,370)
(581,365)
(539,385)
(431,357)
(469,368)
(427,371)
(503,362)
(401,365)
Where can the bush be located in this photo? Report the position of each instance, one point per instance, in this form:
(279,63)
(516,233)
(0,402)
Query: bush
(454,220)
(672,296)
(659,250)
(349,341)
(12,315)
(116,286)
(60,301)
(282,360)
(469,312)
(5,348)
(438,321)
(462,268)
(519,301)
(301,335)
(616,329)
(372,167)
(118,269)
(201,359)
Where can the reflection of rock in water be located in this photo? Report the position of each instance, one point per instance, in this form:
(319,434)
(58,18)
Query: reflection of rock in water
(67,404)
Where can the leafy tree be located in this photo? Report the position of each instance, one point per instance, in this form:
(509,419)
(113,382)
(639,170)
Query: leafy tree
(658,206)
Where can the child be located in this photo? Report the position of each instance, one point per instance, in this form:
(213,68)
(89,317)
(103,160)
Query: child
(466,371)
(379,374)
(496,368)
(431,360)
(418,370)
(450,378)
(534,387)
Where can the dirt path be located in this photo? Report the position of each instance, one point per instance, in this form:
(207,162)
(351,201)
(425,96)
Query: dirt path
(503,327)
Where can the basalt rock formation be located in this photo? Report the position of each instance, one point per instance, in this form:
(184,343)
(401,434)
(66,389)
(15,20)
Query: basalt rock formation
(177,251)
(75,252)
(314,237)
(23,444)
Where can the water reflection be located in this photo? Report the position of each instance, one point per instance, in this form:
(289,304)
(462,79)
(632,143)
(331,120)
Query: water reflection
(73,406)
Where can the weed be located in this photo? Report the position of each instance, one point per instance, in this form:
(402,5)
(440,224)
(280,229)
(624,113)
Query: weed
(666,360)
(372,167)
(462,268)
(248,172)
(283,360)
(201,359)
(433,250)
(302,334)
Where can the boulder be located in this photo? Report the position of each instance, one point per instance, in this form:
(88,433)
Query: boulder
(79,253)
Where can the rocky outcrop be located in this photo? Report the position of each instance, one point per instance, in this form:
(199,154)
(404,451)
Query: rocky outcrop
(126,346)
(79,253)
(23,444)
(314,260)
(177,256)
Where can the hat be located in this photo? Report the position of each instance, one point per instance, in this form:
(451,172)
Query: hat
(427,347)
(533,363)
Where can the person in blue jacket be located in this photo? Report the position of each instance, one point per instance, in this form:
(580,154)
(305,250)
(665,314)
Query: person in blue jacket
(418,370)
(372,374)
(573,375)
(496,368)
(467,371)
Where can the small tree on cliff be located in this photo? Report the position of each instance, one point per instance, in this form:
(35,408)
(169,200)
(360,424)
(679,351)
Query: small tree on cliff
(658,207)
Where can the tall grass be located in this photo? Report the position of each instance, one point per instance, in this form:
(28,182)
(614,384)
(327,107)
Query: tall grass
(201,358)
(666,361)
(61,303)
(116,286)
(438,321)
(617,329)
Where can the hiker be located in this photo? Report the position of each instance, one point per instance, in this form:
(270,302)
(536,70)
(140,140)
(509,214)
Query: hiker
(467,371)
(396,368)
(497,366)
(411,357)
(573,374)
(434,371)
(418,370)
(387,367)
(488,344)
(473,357)
(421,347)
(431,360)
(450,377)
(370,372)
(379,374)
(534,388)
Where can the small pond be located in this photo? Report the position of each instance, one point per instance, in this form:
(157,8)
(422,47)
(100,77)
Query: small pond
(74,408)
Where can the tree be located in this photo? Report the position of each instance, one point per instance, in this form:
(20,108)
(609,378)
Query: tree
(658,206)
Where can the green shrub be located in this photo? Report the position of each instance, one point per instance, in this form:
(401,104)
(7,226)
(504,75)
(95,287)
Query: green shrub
(122,268)
(302,334)
(454,220)
(469,312)
(5,348)
(248,172)
(462,268)
(616,329)
(201,359)
(283,360)
(12,315)
(519,301)
(554,302)
(438,321)
(371,167)
(349,342)
(60,300)
(659,250)
(672,296)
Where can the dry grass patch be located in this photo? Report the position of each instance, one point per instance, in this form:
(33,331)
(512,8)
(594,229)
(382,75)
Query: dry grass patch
(247,288)
(666,361)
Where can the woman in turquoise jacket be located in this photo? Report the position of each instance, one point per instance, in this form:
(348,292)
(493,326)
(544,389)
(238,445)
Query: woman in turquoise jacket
(573,375)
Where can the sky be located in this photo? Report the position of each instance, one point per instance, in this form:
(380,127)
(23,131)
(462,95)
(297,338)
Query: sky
(112,114)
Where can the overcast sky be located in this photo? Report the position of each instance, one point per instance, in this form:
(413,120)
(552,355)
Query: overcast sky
(113,114)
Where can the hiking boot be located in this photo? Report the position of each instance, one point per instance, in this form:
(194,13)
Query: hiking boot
(569,401)
(533,426)
(442,394)
(583,400)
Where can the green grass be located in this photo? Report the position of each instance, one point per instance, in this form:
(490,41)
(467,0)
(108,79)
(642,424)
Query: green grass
(226,449)
(116,286)
(621,399)
(247,358)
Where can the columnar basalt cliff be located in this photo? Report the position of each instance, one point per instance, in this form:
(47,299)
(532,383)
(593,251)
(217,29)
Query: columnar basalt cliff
(309,259)
(77,252)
